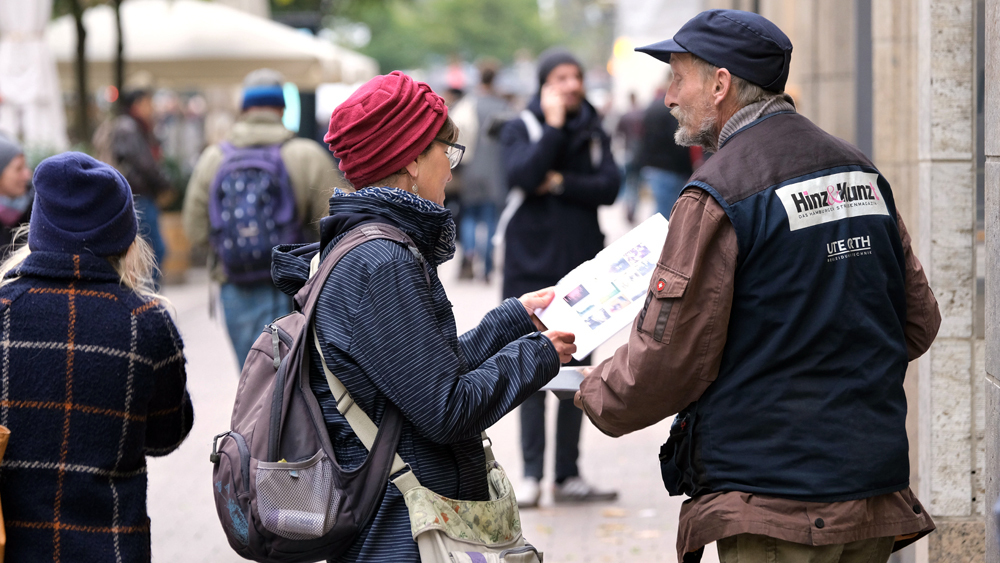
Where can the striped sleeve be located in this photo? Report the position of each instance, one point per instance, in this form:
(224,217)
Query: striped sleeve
(499,327)
(398,344)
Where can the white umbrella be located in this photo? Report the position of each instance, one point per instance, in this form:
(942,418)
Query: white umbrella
(190,43)
(30,105)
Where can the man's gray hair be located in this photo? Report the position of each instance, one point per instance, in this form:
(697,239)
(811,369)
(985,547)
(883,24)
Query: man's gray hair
(746,92)
(263,77)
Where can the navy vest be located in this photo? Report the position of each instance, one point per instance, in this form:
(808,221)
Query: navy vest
(809,401)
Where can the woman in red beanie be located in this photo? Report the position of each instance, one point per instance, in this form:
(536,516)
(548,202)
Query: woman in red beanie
(383,320)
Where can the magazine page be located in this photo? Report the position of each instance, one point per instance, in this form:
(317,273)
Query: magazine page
(604,295)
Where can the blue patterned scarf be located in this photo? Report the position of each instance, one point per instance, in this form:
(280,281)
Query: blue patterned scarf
(430,225)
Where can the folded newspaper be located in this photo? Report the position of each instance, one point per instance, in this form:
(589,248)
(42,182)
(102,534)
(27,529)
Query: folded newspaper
(566,383)
(603,295)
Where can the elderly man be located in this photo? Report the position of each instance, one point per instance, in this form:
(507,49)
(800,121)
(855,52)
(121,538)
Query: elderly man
(778,325)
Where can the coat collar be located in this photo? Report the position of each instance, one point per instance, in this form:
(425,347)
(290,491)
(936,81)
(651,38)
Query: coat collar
(60,265)
(429,225)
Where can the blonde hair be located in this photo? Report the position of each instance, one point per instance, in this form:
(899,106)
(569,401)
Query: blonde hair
(136,267)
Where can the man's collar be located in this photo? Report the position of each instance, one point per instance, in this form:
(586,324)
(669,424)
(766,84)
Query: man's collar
(752,113)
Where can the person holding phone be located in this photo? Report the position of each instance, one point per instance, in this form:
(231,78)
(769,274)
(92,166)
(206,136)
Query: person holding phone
(558,154)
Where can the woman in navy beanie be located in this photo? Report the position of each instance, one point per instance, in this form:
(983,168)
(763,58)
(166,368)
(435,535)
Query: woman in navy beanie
(92,379)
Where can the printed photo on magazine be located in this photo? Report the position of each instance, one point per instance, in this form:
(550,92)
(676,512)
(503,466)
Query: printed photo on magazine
(602,296)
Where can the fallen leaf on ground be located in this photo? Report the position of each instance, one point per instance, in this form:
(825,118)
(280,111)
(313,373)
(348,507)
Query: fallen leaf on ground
(612,527)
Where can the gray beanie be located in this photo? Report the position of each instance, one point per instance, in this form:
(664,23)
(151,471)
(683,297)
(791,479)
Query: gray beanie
(8,150)
(553,57)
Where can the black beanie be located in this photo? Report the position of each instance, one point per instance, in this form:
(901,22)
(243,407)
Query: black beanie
(553,57)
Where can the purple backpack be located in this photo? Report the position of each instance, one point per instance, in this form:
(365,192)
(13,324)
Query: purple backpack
(251,209)
(279,491)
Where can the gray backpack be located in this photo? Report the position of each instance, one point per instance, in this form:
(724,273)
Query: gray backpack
(279,491)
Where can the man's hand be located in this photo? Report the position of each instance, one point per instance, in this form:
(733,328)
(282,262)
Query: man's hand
(553,106)
(563,343)
(537,300)
(553,184)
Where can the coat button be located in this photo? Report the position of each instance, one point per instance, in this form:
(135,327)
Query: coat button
(819,523)
(917,509)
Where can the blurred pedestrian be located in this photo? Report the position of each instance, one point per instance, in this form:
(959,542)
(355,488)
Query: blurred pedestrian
(261,187)
(93,378)
(15,191)
(483,178)
(665,166)
(127,142)
(630,131)
(781,317)
(560,157)
(384,322)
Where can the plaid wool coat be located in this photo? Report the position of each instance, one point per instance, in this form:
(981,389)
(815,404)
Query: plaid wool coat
(91,381)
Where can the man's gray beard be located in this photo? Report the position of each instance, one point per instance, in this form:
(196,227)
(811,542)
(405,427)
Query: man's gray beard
(704,137)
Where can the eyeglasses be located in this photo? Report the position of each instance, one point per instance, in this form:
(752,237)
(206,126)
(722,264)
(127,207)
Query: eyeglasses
(454,151)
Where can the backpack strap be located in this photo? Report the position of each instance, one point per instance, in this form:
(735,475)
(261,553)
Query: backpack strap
(307,297)
(532,124)
(360,422)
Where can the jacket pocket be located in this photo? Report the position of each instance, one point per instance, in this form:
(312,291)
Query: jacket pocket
(658,316)
(680,466)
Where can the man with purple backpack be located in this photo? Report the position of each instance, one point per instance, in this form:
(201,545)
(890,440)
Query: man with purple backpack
(259,188)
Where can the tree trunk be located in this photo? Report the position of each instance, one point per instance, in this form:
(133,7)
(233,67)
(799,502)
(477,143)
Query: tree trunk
(82,105)
(119,57)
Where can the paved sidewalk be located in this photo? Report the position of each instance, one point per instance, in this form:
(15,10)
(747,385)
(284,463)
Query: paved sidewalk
(640,527)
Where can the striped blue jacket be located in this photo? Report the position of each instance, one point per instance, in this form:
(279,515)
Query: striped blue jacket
(390,336)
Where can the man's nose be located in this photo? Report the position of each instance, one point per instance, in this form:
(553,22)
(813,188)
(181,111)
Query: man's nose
(670,100)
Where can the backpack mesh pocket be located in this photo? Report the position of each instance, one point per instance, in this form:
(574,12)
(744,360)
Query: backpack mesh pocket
(297,500)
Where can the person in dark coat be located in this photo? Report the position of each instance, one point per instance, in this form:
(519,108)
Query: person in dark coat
(15,191)
(127,142)
(93,376)
(566,174)
(387,330)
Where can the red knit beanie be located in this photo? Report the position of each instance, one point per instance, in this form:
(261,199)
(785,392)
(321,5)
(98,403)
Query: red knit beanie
(384,126)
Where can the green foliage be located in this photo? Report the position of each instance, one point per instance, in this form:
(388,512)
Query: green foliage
(278,6)
(409,33)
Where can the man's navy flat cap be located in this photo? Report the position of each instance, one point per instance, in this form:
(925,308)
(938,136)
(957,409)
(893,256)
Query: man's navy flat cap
(746,44)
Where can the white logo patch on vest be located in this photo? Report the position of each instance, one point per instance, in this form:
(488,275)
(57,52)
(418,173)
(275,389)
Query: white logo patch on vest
(832,198)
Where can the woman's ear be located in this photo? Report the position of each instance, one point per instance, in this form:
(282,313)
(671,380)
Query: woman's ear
(412,169)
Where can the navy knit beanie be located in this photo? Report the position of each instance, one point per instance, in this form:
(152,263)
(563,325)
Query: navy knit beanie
(81,206)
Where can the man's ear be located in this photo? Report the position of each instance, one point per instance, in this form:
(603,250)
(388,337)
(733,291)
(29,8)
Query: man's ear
(722,82)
